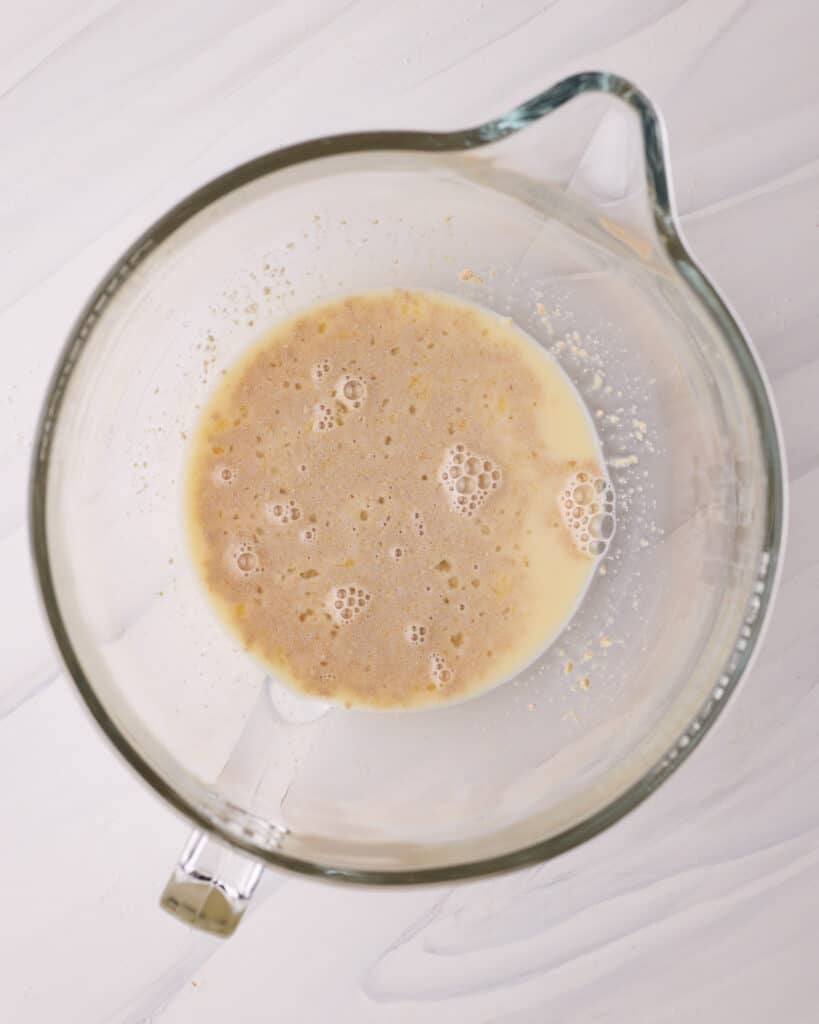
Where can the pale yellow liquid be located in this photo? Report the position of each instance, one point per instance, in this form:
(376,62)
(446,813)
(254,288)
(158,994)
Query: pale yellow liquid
(328,525)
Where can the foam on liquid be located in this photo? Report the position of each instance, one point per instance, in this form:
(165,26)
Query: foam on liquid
(396,499)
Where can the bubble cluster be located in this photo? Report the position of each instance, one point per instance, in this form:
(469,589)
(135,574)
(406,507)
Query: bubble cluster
(320,370)
(587,506)
(224,476)
(439,671)
(415,634)
(346,603)
(418,522)
(468,479)
(308,535)
(350,391)
(396,553)
(283,512)
(245,559)
(324,418)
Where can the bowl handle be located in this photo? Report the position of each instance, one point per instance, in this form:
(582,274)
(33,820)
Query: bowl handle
(211,885)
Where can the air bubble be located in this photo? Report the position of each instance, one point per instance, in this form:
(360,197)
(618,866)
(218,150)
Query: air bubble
(283,512)
(583,494)
(587,506)
(601,527)
(320,370)
(468,478)
(466,485)
(350,391)
(396,553)
(415,634)
(245,559)
(346,603)
(324,418)
(439,671)
(224,476)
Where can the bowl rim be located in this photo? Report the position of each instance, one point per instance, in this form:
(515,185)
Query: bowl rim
(658,184)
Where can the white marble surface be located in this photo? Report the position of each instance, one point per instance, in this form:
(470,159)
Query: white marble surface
(703,902)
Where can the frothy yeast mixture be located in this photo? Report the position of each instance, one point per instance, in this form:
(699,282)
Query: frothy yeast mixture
(395,499)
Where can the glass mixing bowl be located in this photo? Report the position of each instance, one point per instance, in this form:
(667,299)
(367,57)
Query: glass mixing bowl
(561,214)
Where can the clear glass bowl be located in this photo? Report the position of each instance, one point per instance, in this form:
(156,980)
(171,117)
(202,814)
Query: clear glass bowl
(562,212)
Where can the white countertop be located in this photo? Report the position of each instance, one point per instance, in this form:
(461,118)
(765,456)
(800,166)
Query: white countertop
(705,901)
